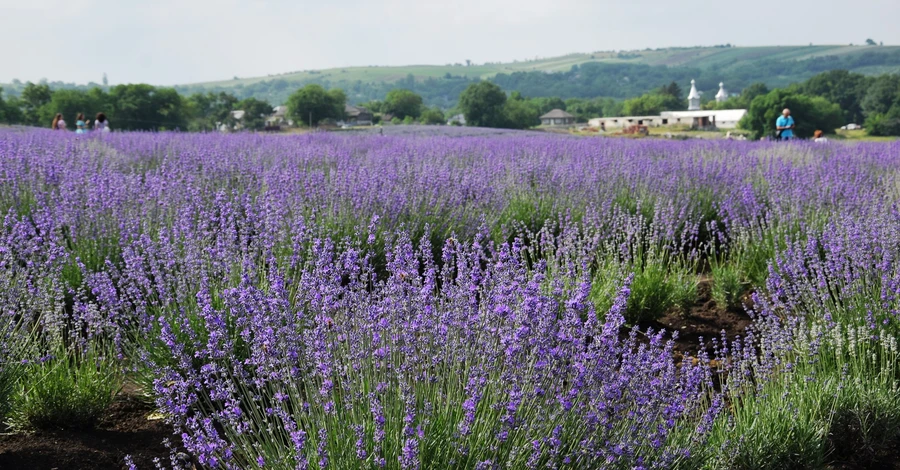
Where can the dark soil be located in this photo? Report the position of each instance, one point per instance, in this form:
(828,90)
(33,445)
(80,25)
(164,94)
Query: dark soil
(885,460)
(125,430)
(705,320)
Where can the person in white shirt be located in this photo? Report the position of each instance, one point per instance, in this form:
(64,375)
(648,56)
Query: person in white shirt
(100,123)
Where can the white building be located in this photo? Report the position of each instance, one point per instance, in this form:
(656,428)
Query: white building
(694,117)
(279,117)
(722,95)
(694,98)
(721,118)
(459,120)
(626,121)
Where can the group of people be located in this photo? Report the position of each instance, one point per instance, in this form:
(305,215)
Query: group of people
(81,126)
(784,128)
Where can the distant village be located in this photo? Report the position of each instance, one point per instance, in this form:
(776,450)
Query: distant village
(694,118)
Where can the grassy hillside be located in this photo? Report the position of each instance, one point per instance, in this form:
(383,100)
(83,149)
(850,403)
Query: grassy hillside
(599,74)
(695,57)
(611,74)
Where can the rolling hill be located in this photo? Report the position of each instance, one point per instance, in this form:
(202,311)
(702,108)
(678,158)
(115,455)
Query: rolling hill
(696,57)
(614,74)
(605,73)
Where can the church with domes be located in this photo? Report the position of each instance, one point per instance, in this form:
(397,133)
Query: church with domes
(695,117)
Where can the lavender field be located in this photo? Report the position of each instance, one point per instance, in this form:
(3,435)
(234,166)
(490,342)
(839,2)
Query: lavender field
(459,301)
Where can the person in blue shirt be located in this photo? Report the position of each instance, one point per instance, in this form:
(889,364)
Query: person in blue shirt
(80,127)
(785,125)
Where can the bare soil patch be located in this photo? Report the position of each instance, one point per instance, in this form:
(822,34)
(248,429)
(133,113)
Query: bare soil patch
(705,320)
(125,430)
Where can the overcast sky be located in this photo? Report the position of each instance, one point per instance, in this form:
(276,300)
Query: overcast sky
(167,42)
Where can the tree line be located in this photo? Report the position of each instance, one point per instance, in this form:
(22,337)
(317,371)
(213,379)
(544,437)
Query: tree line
(825,101)
(133,107)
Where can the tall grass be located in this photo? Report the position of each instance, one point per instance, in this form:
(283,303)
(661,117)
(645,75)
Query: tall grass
(812,397)
(68,389)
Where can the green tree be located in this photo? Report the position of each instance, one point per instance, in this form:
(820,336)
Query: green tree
(311,104)
(520,114)
(810,113)
(255,113)
(403,103)
(887,124)
(651,104)
(4,108)
(754,90)
(483,104)
(880,95)
(11,110)
(209,110)
(672,89)
(844,88)
(870,42)
(584,109)
(339,101)
(70,103)
(374,106)
(432,116)
(145,107)
(33,97)
(545,105)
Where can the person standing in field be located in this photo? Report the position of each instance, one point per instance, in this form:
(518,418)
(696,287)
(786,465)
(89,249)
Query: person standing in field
(58,123)
(100,123)
(784,126)
(79,124)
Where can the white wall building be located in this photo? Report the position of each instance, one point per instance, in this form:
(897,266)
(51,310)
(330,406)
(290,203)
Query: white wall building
(694,117)
(694,98)
(626,121)
(721,118)
(459,120)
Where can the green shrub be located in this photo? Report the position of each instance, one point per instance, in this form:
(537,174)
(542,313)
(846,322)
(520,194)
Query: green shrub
(833,395)
(651,294)
(727,285)
(10,373)
(16,339)
(684,289)
(657,288)
(606,283)
(866,423)
(68,390)
(884,124)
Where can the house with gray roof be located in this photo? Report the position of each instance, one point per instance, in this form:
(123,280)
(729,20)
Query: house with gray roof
(557,117)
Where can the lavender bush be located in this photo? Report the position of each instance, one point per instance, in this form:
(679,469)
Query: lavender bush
(468,365)
(31,300)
